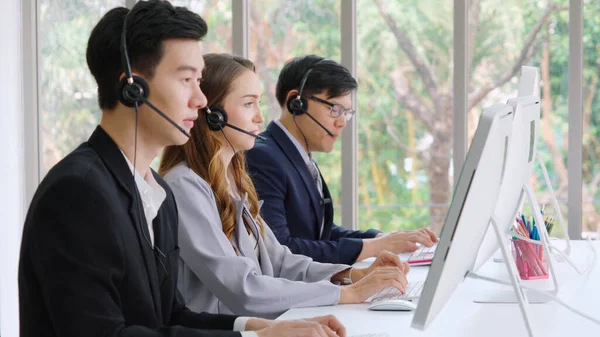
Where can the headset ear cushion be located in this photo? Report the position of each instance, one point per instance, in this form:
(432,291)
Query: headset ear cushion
(296,106)
(216,119)
(129,94)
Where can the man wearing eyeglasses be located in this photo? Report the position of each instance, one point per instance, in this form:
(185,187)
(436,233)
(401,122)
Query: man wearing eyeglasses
(315,95)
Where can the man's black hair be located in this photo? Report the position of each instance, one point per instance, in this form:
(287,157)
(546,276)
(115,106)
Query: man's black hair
(327,77)
(148,25)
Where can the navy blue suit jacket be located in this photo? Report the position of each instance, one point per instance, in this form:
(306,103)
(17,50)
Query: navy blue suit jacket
(293,207)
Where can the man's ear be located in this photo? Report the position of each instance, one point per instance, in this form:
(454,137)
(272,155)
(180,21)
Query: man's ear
(292,93)
(123,75)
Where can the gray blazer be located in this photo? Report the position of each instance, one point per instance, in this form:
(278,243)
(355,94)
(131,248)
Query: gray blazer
(212,278)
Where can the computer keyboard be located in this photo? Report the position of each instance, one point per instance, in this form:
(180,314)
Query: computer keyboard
(423,255)
(413,292)
(373,335)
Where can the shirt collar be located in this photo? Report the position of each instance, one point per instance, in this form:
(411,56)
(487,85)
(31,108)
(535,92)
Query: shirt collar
(296,143)
(152,194)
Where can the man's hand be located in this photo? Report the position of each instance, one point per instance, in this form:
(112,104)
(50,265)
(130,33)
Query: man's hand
(325,326)
(408,239)
(397,242)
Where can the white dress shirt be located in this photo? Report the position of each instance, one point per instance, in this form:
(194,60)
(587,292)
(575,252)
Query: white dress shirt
(153,195)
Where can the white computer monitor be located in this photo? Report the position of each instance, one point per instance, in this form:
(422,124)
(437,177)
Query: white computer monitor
(472,205)
(526,123)
(529,82)
(519,168)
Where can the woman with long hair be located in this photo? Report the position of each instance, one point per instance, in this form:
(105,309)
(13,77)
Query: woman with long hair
(230,260)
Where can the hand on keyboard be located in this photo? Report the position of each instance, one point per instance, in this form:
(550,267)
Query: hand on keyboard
(413,291)
(402,241)
(303,328)
(331,322)
(423,255)
(378,279)
(385,259)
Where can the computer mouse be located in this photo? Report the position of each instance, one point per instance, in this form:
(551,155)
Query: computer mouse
(393,305)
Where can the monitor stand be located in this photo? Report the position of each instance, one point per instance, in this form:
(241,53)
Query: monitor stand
(519,294)
(561,222)
(563,254)
(525,295)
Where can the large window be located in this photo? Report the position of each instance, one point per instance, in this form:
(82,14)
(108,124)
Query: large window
(217,14)
(405,113)
(533,33)
(68,109)
(405,71)
(280,30)
(591,120)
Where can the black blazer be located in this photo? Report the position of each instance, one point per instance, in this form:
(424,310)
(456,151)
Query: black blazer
(85,267)
(293,207)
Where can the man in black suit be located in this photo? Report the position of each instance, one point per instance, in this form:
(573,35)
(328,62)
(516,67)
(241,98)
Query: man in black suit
(99,253)
(315,95)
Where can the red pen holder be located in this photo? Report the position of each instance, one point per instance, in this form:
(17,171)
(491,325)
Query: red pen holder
(530,259)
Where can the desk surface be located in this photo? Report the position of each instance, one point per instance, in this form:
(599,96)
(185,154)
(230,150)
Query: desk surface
(462,317)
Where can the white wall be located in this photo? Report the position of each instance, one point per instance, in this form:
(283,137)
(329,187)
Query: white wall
(11,163)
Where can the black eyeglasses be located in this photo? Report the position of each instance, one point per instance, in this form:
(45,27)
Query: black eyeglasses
(336,109)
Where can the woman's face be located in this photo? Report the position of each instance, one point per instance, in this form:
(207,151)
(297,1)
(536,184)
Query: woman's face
(243,110)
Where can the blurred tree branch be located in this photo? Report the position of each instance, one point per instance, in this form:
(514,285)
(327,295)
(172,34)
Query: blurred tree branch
(526,53)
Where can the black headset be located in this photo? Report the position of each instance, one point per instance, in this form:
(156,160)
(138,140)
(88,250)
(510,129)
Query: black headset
(133,92)
(216,118)
(297,105)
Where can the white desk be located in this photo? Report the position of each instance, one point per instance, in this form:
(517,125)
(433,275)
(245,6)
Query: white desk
(462,317)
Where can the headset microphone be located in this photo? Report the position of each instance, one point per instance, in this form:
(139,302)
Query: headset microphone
(321,125)
(245,132)
(144,100)
(216,118)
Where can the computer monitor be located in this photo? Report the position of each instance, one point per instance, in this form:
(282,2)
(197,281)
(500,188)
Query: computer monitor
(519,167)
(472,206)
(529,82)
(526,122)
